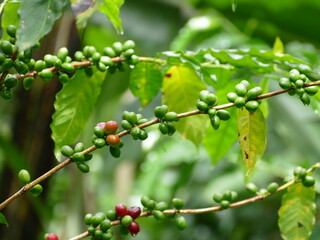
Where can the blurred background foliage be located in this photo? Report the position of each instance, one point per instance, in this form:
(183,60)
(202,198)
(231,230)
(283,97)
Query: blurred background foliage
(163,167)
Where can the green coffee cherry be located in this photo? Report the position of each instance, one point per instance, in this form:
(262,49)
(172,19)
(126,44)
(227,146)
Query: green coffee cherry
(203,95)
(263,192)
(160,111)
(215,122)
(96,57)
(131,117)
(79,147)
(105,225)
(223,115)
(252,106)
(128,53)
(6,47)
(126,125)
(99,142)
(241,89)
(180,222)
(212,112)
(246,83)
(299,91)
(97,219)
(177,203)
(98,233)
(46,75)
(88,218)
(144,200)
(39,65)
(78,55)
(142,121)
(232,96)
(117,47)
(78,157)
(218,197)
(171,116)
(6,94)
(299,83)
(88,157)
(67,67)
(88,51)
(98,131)
(239,102)
(106,60)
(67,151)
(2,58)
(202,106)
(129,44)
(28,82)
(171,128)
(101,67)
(312,90)
(126,220)
(163,128)
(11,30)
(7,64)
(10,81)
(159,215)
(227,195)
(143,135)
(111,215)
(108,51)
(63,77)
(272,187)
(24,176)
(305,99)
(253,93)
(251,188)
(151,204)
(91,230)
(211,99)
(134,60)
(308,181)
(63,53)
(294,75)
(234,196)
(161,206)
(115,152)
(135,132)
(224,204)
(20,67)
(36,190)
(49,59)
(83,167)
(285,83)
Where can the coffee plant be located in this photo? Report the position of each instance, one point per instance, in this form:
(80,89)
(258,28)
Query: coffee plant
(212,100)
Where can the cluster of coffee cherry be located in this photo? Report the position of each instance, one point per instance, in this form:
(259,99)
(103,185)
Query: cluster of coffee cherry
(16,64)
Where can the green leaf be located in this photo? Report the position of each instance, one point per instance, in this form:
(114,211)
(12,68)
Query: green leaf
(252,133)
(217,143)
(297,212)
(83,17)
(73,107)
(3,220)
(112,9)
(181,87)
(9,17)
(145,81)
(278,47)
(37,18)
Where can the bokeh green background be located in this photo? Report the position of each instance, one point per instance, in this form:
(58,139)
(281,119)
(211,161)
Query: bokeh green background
(163,167)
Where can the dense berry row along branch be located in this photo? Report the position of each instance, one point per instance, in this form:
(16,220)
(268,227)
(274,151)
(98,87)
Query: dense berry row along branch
(126,132)
(259,196)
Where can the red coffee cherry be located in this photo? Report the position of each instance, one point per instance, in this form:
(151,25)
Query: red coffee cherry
(111,127)
(52,236)
(134,212)
(121,210)
(134,228)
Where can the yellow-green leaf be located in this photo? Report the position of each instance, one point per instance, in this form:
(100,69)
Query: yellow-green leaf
(252,133)
(112,10)
(145,81)
(297,213)
(181,87)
